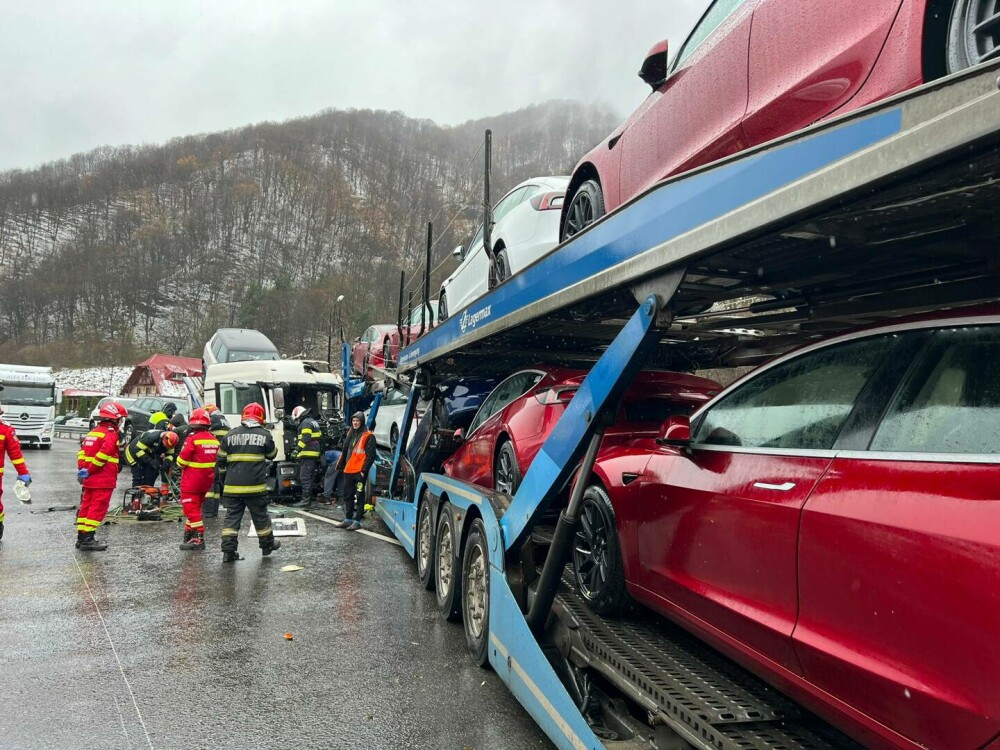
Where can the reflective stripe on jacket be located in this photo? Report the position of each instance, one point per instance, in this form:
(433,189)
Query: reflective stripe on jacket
(309,436)
(243,459)
(12,446)
(147,447)
(99,456)
(197,461)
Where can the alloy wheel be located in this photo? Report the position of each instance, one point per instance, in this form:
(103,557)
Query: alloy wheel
(973,33)
(581,214)
(505,473)
(591,551)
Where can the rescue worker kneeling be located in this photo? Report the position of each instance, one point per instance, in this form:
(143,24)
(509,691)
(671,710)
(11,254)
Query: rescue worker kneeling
(242,462)
(146,455)
(355,461)
(197,463)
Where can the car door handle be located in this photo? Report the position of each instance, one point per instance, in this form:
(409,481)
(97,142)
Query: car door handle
(783,487)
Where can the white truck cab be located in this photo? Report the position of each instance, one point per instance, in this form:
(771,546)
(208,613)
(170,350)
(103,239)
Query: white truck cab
(29,399)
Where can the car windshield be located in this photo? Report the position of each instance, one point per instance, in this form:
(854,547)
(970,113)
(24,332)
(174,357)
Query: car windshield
(241,355)
(19,394)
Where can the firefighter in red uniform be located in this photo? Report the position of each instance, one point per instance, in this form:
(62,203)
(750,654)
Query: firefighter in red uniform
(197,462)
(97,470)
(10,444)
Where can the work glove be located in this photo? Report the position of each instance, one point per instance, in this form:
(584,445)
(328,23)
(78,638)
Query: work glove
(81,475)
(26,478)
(295,455)
(369,508)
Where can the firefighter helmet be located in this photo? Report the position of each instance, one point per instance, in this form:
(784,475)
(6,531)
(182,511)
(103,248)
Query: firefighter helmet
(298,412)
(112,411)
(200,416)
(169,439)
(254,412)
(210,407)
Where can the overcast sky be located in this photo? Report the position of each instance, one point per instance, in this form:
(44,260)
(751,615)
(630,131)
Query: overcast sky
(77,75)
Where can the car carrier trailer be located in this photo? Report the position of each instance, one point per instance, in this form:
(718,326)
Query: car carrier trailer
(888,211)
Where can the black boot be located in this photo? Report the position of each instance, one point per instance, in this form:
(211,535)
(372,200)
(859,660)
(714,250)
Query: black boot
(275,544)
(90,544)
(194,540)
(80,536)
(1,529)
(228,557)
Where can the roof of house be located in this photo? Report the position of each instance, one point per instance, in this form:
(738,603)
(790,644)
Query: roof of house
(161,367)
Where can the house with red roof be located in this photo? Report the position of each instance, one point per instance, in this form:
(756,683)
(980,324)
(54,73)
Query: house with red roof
(161,375)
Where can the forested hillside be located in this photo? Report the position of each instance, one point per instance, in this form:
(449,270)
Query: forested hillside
(122,251)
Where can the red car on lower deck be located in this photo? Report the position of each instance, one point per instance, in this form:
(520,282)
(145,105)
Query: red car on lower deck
(516,418)
(831,521)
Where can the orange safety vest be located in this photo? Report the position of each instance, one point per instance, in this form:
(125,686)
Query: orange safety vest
(356,461)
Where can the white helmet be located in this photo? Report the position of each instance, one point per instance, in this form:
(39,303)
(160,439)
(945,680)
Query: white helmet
(298,412)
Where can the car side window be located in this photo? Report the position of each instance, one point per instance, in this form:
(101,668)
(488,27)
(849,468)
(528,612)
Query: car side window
(713,19)
(503,207)
(217,349)
(950,402)
(513,387)
(801,404)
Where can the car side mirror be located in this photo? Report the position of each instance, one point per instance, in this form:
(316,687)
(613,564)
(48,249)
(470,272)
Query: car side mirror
(459,435)
(654,68)
(458,252)
(676,430)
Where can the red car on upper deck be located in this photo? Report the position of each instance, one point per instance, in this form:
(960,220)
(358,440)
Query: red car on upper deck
(832,522)
(753,70)
(516,418)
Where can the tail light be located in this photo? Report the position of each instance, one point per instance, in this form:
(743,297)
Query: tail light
(560,394)
(548,201)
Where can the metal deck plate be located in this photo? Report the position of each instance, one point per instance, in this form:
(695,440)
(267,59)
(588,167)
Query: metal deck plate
(693,687)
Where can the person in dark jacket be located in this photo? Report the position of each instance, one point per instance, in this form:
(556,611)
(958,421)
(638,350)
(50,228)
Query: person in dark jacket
(307,454)
(243,460)
(354,462)
(219,428)
(146,455)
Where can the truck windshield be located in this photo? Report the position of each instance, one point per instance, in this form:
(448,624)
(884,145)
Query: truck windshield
(20,394)
(236,355)
(320,401)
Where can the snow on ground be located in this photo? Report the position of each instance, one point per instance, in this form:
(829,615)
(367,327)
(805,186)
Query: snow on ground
(108,379)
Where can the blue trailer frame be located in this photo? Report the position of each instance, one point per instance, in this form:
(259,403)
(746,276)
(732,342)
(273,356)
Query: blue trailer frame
(647,247)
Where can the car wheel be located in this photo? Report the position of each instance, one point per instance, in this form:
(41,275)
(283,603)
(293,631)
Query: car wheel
(442,307)
(393,437)
(476,593)
(970,40)
(597,559)
(447,577)
(387,354)
(425,545)
(127,433)
(506,473)
(503,267)
(586,207)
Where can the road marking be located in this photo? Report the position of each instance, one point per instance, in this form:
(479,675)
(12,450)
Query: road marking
(324,519)
(113,650)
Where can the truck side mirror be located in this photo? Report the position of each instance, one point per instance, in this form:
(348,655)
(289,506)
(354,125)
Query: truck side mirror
(278,396)
(676,430)
(459,252)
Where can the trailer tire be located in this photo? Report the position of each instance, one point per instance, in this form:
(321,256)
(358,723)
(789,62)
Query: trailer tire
(597,556)
(425,544)
(476,593)
(447,575)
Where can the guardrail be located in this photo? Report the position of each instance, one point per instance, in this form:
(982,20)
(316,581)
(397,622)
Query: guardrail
(62,431)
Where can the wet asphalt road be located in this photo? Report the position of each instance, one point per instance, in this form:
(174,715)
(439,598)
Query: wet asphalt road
(145,646)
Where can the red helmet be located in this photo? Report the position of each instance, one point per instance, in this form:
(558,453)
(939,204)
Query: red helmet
(112,411)
(169,439)
(253,411)
(200,416)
